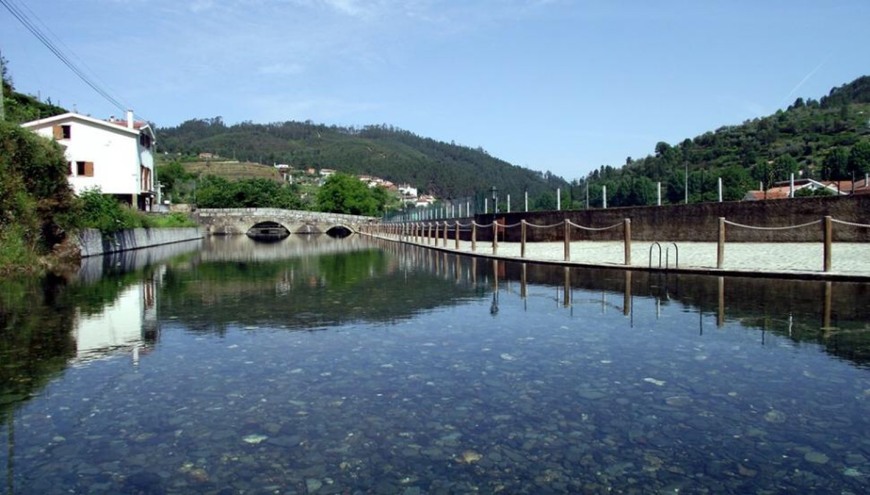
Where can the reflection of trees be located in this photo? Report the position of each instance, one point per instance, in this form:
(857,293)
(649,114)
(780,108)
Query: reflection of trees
(35,338)
(37,318)
(308,292)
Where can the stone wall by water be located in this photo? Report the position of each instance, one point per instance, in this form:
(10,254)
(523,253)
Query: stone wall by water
(700,222)
(93,243)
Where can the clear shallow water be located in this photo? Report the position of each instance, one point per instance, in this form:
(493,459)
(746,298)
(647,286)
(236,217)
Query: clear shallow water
(406,371)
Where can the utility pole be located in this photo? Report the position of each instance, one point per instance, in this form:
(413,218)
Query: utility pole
(2,90)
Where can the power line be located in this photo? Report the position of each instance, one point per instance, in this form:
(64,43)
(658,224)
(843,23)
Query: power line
(27,23)
(58,41)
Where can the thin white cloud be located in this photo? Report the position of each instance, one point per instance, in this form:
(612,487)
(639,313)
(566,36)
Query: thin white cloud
(281,69)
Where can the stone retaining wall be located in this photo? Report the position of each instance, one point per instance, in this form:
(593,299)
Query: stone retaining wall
(93,243)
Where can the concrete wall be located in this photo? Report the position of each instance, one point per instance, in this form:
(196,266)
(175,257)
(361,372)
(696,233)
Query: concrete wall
(699,222)
(93,243)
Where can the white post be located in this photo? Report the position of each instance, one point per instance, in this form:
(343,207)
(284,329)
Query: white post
(659,188)
(604,196)
(686,184)
(508,203)
(720,189)
(791,187)
(558,198)
(527,201)
(485,206)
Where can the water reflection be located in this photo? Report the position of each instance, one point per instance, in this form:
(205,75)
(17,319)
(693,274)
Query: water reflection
(431,373)
(833,314)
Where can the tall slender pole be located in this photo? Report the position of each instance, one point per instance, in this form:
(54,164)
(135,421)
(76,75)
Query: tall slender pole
(686,184)
(2,98)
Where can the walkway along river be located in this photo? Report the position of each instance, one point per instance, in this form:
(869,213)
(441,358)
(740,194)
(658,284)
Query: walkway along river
(825,259)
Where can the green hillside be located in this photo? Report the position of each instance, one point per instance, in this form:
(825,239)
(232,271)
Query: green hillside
(445,170)
(825,139)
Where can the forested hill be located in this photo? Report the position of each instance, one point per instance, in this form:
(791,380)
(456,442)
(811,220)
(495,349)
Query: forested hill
(825,139)
(445,170)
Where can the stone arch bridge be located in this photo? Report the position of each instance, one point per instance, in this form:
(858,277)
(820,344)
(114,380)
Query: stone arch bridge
(228,221)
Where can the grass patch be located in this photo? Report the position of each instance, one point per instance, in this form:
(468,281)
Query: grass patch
(16,253)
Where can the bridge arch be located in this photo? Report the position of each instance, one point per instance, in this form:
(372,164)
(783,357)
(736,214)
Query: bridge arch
(268,231)
(339,231)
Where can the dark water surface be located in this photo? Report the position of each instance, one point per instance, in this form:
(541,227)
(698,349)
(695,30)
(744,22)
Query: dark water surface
(329,366)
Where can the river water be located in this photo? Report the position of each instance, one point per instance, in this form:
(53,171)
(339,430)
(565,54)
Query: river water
(326,366)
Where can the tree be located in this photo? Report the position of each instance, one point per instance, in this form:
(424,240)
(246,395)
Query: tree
(859,158)
(171,176)
(4,75)
(836,164)
(37,206)
(784,166)
(342,193)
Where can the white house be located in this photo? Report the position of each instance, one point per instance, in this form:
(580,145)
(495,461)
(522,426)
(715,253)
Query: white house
(116,156)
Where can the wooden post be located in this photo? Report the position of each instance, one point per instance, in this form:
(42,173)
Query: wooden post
(626,297)
(495,236)
(522,238)
(473,236)
(437,232)
(720,248)
(446,223)
(828,235)
(429,235)
(627,240)
(567,240)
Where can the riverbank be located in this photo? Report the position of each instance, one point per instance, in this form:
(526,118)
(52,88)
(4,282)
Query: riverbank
(92,242)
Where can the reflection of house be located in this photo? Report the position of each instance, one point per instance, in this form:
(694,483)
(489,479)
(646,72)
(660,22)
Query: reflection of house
(786,189)
(115,156)
(128,323)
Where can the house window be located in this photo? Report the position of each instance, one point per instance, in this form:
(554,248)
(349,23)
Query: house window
(145,141)
(62,132)
(85,169)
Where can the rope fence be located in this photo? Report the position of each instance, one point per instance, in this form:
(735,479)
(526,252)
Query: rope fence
(440,232)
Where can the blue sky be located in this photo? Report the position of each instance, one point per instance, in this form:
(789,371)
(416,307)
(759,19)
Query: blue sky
(564,86)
